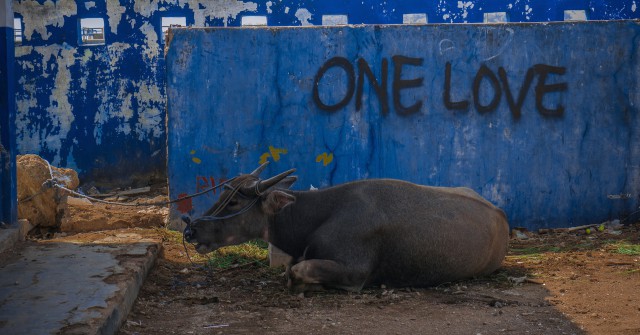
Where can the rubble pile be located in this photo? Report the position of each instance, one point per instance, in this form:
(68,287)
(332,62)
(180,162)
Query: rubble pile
(37,203)
(51,208)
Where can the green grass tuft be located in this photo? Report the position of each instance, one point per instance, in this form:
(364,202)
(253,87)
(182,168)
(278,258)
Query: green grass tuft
(535,250)
(233,256)
(626,248)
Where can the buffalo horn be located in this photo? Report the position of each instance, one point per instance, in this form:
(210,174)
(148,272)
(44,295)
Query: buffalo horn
(265,184)
(256,173)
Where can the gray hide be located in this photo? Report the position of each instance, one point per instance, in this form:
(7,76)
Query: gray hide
(361,233)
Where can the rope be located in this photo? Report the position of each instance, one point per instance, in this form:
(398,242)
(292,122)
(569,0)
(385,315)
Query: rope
(213,215)
(159,203)
(53,182)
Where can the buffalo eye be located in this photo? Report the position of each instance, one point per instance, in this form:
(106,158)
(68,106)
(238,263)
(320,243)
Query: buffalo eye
(233,202)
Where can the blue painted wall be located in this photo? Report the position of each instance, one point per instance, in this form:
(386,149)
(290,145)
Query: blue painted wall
(8,190)
(101,109)
(541,119)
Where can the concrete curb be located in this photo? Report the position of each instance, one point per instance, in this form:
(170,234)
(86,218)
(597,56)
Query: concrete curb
(123,302)
(8,238)
(14,233)
(80,284)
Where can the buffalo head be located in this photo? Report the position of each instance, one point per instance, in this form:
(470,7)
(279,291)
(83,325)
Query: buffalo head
(242,212)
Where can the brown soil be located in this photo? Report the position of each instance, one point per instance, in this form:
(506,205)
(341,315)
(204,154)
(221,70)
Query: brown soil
(575,284)
(557,283)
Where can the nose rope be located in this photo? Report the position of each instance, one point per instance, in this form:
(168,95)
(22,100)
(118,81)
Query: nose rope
(228,216)
(214,216)
(226,201)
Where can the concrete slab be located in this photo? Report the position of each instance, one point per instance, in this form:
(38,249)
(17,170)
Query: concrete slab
(11,234)
(83,284)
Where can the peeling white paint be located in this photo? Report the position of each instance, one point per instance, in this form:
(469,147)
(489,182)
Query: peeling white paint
(414,18)
(88,55)
(60,110)
(633,6)
(304,16)
(147,7)
(527,12)
(27,66)
(221,9)
(29,141)
(89,4)
(115,51)
(42,15)
(465,6)
(575,15)
(59,113)
(71,162)
(149,119)
(21,51)
(269,4)
(125,110)
(118,108)
(151,47)
(150,116)
(114,12)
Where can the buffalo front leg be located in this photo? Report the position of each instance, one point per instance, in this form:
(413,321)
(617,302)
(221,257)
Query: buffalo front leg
(308,274)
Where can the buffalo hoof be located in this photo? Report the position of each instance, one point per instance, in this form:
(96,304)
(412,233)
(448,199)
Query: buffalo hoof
(297,286)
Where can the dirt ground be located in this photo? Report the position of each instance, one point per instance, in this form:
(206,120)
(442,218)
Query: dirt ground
(556,283)
(569,282)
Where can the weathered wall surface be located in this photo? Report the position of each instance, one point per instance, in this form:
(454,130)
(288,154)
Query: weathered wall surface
(100,109)
(541,119)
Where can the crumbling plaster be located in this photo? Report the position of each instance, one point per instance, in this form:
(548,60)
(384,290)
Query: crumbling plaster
(71,98)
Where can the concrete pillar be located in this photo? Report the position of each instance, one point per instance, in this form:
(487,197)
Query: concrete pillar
(8,182)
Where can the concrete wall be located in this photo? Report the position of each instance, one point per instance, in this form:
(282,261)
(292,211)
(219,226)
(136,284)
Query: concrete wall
(541,119)
(100,109)
(8,188)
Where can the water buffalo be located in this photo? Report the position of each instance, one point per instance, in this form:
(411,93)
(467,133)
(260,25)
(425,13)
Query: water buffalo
(377,231)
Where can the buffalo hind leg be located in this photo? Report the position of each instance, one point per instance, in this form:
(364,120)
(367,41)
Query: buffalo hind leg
(309,274)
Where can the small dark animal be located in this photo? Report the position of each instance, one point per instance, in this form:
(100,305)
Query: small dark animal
(360,233)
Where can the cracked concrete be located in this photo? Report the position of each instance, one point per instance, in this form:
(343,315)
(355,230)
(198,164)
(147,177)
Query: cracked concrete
(82,284)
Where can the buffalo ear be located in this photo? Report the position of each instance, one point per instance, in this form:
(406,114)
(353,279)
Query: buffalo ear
(286,183)
(276,200)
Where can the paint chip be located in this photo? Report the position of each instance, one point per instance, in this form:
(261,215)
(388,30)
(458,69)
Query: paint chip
(419,18)
(335,20)
(254,21)
(575,15)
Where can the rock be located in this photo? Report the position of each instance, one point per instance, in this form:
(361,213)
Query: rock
(78,218)
(41,209)
(79,201)
(519,234)
(25,227)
